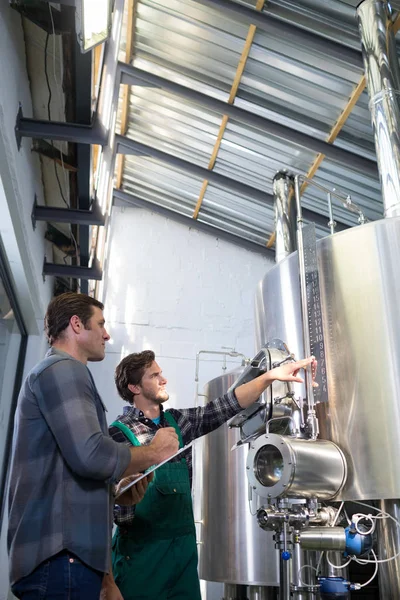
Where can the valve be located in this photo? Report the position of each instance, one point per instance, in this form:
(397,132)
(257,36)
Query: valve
(357,543)
(334,588)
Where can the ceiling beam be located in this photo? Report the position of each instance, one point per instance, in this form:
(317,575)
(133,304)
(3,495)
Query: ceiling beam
(133,75)
(344,115)
(130,35)
(270,24)
(231,99)
(128,146)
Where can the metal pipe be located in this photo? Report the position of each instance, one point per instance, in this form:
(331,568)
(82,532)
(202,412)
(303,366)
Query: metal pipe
(284,577)
(285,215)
(332,223)
(323,538)
(383,82)
(388,545)
(302,578)
(224,353)
(261,592)
(306,332)
(234,592)
(343,197)
(134,76)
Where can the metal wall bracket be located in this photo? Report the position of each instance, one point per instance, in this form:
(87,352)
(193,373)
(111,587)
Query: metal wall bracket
(58,130)
(77,272)
(67,215)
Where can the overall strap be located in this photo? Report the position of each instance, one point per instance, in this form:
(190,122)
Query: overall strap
(172,423)
(127,432)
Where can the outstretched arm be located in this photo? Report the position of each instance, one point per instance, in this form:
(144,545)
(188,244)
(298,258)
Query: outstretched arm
(248,393)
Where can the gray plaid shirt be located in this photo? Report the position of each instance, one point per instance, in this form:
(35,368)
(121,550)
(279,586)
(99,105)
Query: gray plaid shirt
(192,422)
(63,462)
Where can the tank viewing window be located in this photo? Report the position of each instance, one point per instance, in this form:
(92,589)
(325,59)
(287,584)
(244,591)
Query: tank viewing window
(268,465)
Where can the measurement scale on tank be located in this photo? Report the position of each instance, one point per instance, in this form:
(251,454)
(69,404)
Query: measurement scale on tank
(314,312)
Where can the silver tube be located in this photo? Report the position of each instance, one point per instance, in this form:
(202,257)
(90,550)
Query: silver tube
(303,289)
(302,577)
(234,592)
(323,538)
(383,80)
(332,223)
(260,592)
(336,558)
(285,215)
(388,545)
(224,353)
(284,576)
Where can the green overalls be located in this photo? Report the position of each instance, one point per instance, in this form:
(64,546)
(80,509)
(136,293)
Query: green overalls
(156,557)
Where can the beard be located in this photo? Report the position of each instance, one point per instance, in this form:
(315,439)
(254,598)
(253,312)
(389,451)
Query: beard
(158,398)
(162,397)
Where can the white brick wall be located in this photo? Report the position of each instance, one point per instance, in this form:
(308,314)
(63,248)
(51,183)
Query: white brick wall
(176,291)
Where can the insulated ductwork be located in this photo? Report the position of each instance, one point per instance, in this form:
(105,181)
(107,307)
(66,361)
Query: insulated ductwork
(383,81)
(285,215)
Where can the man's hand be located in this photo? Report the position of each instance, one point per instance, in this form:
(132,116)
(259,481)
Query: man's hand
(109,589)
(164,444)
(290,371)
(247,393)
(136,493)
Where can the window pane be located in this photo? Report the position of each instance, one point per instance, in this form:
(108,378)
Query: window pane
(10,339)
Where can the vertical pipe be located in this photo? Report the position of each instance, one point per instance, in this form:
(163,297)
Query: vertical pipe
(260,592)
(284,576)
(285,215)
(234,592)
(383,81)
(301,578)
(332,222)
(388,545)
(311,418)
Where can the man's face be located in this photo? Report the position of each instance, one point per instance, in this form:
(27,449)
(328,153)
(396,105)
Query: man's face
(152,386)
(93,338)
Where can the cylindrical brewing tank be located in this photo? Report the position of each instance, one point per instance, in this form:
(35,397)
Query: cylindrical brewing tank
(233,548)
(360,298)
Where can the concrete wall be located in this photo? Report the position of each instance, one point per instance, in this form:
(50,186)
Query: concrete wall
(20,180)
(20,176)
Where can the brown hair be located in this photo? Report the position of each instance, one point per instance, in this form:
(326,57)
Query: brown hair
(130,371)
(65,306)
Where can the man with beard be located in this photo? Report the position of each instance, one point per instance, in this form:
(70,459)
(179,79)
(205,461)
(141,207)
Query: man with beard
(154,548)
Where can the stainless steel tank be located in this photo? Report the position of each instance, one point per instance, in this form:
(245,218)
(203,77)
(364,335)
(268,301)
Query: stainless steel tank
(359,273)
(232,547)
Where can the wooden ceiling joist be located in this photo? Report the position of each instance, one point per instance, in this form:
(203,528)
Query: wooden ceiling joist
(232,95)
(130,27)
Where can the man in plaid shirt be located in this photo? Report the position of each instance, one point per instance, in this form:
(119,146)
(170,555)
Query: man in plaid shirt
(63,462)
(154,548)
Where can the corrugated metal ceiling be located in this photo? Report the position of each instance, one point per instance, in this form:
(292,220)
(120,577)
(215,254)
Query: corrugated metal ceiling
(200,47)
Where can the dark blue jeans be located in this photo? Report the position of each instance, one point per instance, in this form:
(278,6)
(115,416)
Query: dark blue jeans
(62,577)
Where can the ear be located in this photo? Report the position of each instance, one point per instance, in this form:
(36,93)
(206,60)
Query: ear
(76,324)
(133,388)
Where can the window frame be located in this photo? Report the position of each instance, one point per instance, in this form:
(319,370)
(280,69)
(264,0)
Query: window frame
(6,281)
